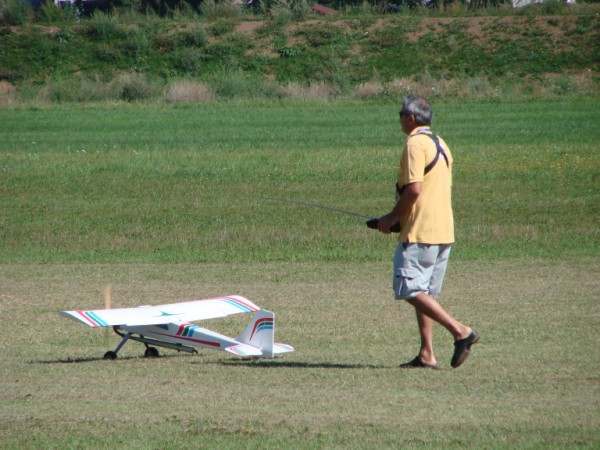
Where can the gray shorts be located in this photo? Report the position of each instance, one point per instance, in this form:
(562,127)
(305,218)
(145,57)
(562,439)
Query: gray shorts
(419,268)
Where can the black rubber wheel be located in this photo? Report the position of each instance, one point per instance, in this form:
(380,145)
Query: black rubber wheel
(151,352)
(110,355)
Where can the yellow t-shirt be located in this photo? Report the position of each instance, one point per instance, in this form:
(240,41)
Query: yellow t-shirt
(430,221)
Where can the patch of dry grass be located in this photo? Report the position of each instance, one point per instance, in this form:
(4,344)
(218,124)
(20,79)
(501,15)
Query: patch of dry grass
(186,91)
(316,90)
(8,93)
(477,87)
(369,89)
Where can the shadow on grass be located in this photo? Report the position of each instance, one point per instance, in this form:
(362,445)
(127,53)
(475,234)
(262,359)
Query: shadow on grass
(258,364)
(297,364)
(87,359)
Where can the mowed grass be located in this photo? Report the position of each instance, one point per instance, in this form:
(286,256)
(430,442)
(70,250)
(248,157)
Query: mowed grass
(532,382)
(174,184)
(167,203)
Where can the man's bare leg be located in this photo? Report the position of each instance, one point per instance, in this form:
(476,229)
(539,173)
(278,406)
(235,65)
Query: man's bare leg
(426,332)
(428,306)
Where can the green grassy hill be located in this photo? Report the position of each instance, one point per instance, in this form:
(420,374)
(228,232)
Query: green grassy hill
(237,57)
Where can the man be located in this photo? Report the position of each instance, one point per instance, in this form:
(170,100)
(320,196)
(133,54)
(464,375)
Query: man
(424,210)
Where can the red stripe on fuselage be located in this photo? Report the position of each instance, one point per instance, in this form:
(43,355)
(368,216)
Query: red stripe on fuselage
(199,341)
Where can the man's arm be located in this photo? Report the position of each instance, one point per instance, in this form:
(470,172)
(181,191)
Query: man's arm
(405,203)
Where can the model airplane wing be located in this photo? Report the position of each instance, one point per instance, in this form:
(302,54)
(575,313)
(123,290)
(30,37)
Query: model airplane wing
(170,313)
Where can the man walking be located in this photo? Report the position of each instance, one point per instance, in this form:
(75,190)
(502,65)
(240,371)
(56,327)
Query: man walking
(424,210)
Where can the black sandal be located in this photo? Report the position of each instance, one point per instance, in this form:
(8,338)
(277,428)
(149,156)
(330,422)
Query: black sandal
(418,364)
(462,349)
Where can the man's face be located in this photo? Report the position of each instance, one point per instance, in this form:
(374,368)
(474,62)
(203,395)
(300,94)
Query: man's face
(407,122)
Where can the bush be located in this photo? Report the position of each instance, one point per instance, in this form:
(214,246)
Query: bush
(233,84)
(194,37)
(133,87)
(103,26)
(553,7)
(213,10)
(221,27)
(52,13)
(75,90)
(58,91)
(283,11)
(135,45)
(108,53)
(237,84)
(14,12)
(189,38)
(181,9)
(230,51)
(190,59)
(93,90)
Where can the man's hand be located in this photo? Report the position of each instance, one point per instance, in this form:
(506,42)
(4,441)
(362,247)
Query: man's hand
(386,222)
(373,225)
(402,208)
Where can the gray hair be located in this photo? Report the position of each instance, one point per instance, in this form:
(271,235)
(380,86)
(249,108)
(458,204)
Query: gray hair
(419,107)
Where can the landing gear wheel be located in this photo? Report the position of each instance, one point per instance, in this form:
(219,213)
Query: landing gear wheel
(151,352)
(110,355)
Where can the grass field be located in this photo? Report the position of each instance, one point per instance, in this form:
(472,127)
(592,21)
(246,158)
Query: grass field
(177,184)
(163,203)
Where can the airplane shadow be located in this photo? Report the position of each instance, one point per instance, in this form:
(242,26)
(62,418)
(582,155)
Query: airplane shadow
(263,364)
(257,364)
(88,359)
(245,362)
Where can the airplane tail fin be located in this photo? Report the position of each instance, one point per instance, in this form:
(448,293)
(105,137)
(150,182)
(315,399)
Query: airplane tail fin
(260,333)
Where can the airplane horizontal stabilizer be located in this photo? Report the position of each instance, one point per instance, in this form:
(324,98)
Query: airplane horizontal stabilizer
(244,350)
(282,348)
